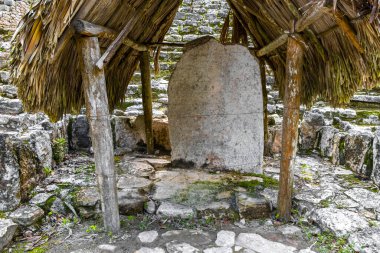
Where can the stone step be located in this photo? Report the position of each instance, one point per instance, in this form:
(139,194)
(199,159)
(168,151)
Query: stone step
(366,99)
(8,91)
(4,77)
(10,106)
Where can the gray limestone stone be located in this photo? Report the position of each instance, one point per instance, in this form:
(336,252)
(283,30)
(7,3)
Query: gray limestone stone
(8,91)
(40,199)
(150,250)
(376,158)
(365,198)
(252,208)
(193,237)
(327,141)
(125,138)
(132,182)
(7,231)
(131,201)
(169,209)
(10,106)
(215,128)
(9,175)
(367,241)
(174,247)
(225,238)
(150,207)
(218,250)
(259,244)
(27,215)
(108,248)
(139,169)
(357,145)
(339,221)
(310,125)
(148,236)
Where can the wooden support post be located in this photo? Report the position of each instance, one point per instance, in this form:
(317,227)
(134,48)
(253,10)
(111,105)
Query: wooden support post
(294,64)
(94,84)
(147,100)
(265,104)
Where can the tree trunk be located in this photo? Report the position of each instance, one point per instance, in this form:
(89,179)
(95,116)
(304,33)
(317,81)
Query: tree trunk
(294,67)
(147,100)
(94,84)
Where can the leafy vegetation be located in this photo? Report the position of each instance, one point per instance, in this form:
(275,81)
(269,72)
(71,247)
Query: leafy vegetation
(59,149)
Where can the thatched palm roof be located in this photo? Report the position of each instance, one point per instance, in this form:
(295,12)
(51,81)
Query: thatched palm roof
(50,81)
(334,66)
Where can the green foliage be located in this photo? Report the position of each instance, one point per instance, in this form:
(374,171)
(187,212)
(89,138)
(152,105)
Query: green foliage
(59,149)
(47,171)
(2,215)
(327,242)
(325,203)
(92,229)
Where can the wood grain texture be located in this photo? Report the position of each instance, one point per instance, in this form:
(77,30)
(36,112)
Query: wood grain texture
(94,84)
(147,100)
(294,69)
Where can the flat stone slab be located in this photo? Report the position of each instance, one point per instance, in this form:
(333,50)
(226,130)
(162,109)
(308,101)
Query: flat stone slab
(169,209)
(365,198)
(366,241)
(40,199)
(225,238)
(148,236)
(139,169)
(132,182)
(252,208)
(27,215)
(259,244)
(193,237)
(174,247)
(339,221)
(150,250)
(218,250)
(7,231)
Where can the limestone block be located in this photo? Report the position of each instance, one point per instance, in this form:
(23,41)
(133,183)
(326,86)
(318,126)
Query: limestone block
(9,175)
(216,110)
(376,158)
(7,231)
(357,147)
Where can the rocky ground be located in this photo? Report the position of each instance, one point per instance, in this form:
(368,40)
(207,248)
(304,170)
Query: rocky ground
(167,209)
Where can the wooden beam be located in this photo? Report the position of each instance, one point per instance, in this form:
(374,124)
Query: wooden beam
(314,14)
(348,31)
(94,84)
(89,29)
(273,45)
(294,68)
(147,100)
(115,45)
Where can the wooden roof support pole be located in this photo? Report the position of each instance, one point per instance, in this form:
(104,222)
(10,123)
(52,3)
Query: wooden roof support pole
(115,45)
(147,100)
(273,45)
(347,30)
(265,104)
(294,65)
(89,29)
(94,84)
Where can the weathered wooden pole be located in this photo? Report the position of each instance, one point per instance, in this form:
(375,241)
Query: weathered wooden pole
(94,84)
(265,104)
(147,100)
(294,65)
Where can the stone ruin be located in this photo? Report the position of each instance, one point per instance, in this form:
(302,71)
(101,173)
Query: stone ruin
(216,108)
